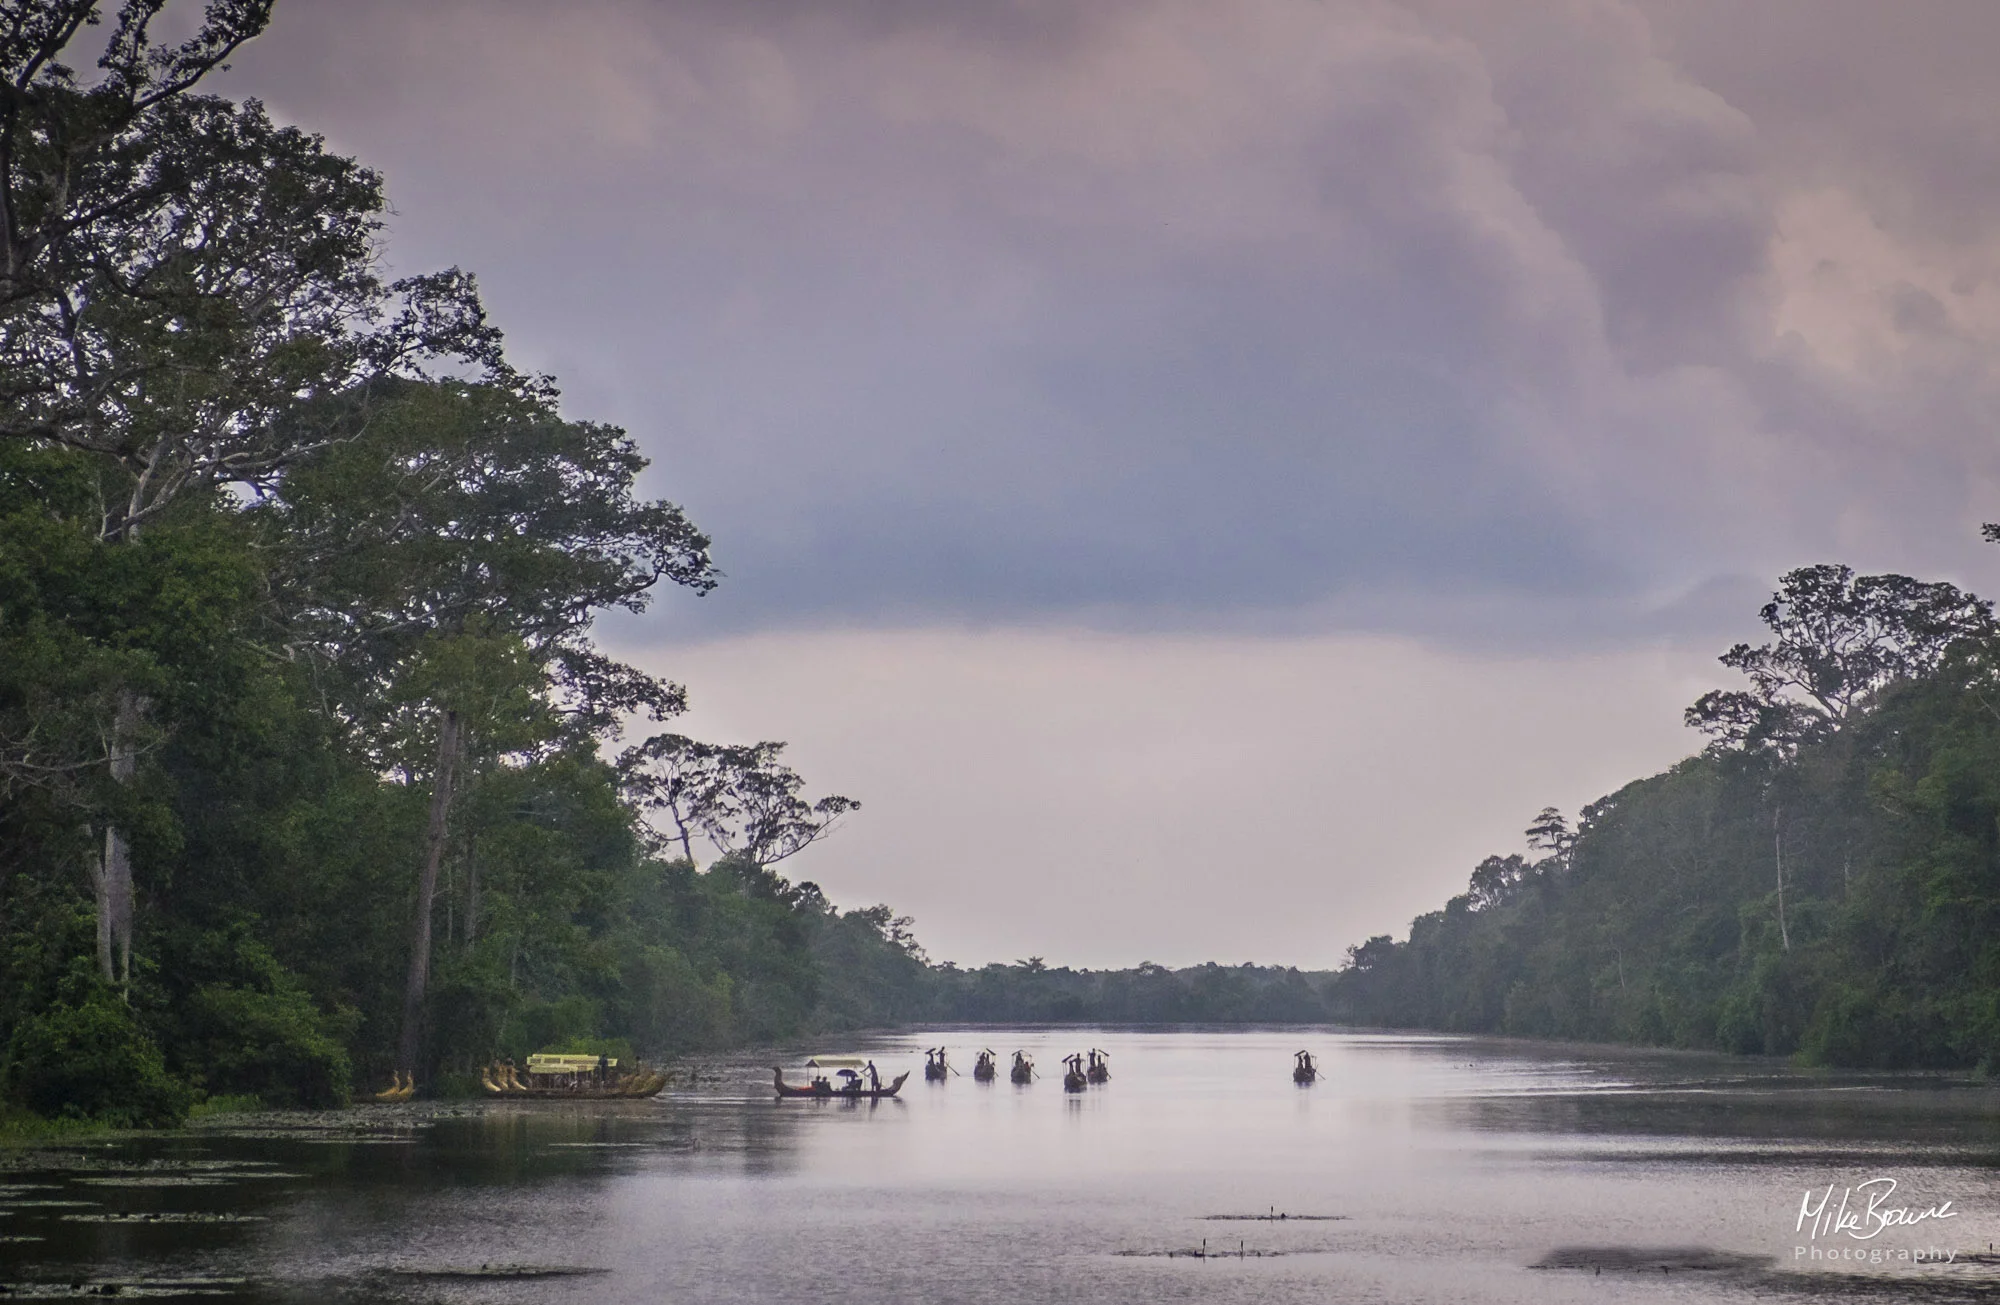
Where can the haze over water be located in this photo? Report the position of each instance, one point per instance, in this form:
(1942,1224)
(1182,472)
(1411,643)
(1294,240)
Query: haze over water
(1436,1169)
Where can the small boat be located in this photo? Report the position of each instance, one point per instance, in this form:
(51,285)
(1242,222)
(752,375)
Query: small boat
(1305,1070)
(572,1078)
(401,1088)
(935,1067)
(1100,1067)
(858,1080)
(1074,1079)
(986,1068)
(1024,1068)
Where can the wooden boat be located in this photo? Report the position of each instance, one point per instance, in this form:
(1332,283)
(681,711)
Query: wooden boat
(631,1087)
(852,1088)
(572,1078)
(1074,1079)
(935,1067)
(1305,1070)
(1024,1068)
(1100,1067)
(986,1068)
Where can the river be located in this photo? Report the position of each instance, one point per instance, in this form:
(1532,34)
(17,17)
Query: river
(1418,1169)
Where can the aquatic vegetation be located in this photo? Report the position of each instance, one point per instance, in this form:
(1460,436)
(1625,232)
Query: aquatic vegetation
(165,1217)
(123,1288)
(1651,1259)
(506,1271)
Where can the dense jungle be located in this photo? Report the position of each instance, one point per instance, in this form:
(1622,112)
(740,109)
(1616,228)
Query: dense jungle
(310,770)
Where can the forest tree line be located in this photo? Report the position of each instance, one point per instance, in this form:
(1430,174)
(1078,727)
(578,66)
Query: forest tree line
(1822,881)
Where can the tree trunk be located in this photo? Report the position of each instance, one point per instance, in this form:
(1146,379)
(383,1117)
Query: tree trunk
(1778,848)
(471,892)
(427,878)
(111,876)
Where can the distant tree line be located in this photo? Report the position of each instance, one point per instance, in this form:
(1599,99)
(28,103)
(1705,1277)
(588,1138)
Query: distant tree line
(1032,992)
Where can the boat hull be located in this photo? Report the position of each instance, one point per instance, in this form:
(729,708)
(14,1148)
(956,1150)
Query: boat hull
(580,1094)
(635,1089)
(785,1090)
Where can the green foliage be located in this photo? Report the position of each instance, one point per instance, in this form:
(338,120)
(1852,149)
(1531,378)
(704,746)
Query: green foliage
(86,1058)
(210,1107)
(273,1045)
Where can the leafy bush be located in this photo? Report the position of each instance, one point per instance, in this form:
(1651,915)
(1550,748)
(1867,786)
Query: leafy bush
(272,1045)
(89,1059)
(246,1026)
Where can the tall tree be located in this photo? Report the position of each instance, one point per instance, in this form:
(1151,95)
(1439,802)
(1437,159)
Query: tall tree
(685,780)
(443,567)
(180,278)
(740,797)
(1841,639)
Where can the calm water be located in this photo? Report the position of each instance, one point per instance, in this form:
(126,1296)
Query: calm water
(1434,1169)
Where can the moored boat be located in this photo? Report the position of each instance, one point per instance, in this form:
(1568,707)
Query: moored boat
(572,1078)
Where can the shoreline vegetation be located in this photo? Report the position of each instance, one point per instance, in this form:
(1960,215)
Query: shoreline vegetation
(311,773)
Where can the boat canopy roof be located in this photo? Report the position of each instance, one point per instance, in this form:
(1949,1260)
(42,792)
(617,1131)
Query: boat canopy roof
(546,1063)
(837,1062)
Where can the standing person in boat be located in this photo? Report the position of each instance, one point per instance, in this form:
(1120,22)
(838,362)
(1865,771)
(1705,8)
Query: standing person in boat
(874,1079)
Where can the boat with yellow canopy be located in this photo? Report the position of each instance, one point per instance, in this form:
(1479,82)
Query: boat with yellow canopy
(572,1078)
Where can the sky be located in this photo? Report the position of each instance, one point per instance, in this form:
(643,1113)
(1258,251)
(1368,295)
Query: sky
(1204,475)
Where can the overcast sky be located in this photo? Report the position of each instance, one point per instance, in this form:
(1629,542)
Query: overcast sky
(1203,474)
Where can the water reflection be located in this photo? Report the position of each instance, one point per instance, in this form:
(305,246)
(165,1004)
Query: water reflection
(1419,1169)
